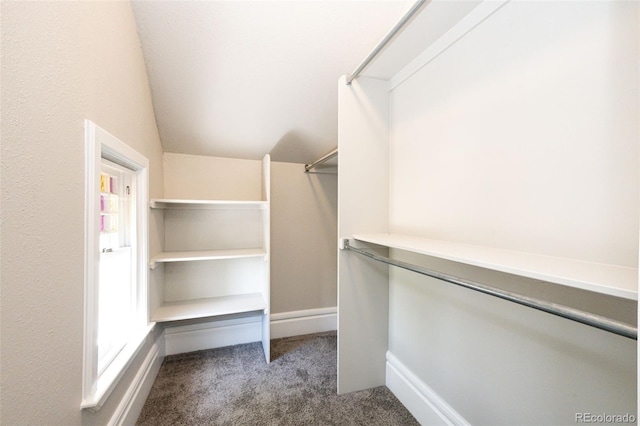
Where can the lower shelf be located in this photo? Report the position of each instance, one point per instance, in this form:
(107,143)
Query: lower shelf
(214,306)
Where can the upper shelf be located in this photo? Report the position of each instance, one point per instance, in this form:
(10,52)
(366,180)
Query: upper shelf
(430,24)
(158,203)
(601,278)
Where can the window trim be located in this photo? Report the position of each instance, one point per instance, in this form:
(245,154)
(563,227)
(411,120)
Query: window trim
(100,144)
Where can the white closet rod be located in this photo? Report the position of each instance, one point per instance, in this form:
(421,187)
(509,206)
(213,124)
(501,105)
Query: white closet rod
(387,38)
(592,320)
(326,157)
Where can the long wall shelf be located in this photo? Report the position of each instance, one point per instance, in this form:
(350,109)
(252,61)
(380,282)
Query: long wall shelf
(188,256)
(214,306)
(612,280)
(161,203)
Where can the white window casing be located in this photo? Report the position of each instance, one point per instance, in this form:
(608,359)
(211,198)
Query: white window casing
(99,145)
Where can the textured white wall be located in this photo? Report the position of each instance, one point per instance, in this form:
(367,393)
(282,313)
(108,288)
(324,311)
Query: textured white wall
(303,238)
(522,135)
(62,62)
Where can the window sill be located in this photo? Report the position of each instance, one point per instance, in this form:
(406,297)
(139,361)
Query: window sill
(111,376)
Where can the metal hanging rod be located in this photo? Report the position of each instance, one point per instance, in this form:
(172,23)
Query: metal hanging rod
(326,157)
(592,320)
(387,38)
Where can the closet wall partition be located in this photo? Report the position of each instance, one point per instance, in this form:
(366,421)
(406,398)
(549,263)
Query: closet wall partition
(506,153)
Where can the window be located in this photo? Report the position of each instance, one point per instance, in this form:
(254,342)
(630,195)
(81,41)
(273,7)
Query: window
(115,261)
(117,266)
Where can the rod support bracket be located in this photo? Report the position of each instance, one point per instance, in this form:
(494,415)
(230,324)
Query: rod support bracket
(343,244)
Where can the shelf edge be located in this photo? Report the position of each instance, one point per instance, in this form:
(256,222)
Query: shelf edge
(557,277)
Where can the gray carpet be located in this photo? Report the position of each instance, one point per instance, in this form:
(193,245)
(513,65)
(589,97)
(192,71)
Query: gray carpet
(235,386)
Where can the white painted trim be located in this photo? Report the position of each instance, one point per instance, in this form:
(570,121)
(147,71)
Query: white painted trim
(266,281)
(448,39)
(91,261)
(296,323)
(304,313)
(213,334)
(421,401)
(133,400)
(110,378)
(101,144)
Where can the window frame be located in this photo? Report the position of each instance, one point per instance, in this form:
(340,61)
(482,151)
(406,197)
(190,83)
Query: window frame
(127,239)
(99,144)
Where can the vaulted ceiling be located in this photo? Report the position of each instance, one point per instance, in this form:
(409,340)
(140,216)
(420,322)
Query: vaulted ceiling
(243,79)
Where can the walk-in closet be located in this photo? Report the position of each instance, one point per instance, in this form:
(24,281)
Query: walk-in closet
(390,212)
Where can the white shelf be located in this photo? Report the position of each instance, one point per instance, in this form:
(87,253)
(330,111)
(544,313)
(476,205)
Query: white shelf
(215,306)
(428,27)
(601,278)
(188,256)
(160,203)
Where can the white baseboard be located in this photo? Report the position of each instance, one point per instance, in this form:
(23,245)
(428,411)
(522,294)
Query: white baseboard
(134,398)
(214,334)
(421,401)
(309,321)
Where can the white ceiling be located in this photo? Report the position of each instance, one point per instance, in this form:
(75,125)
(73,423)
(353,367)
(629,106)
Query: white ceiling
(243,79)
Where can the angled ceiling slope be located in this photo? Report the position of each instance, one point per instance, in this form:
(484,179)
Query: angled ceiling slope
(245,78)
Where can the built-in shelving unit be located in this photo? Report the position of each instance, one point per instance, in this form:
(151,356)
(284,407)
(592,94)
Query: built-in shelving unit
(612,280)
(215,259)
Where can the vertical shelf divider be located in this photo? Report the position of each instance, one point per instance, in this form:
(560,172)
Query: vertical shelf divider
(266,289)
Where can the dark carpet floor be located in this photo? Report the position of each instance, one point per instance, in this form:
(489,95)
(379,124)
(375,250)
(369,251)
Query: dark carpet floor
(235,386)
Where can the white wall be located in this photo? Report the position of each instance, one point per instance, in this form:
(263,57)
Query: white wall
(62,62)
(522,135)
(303,238)
(201,177)
(499,363)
